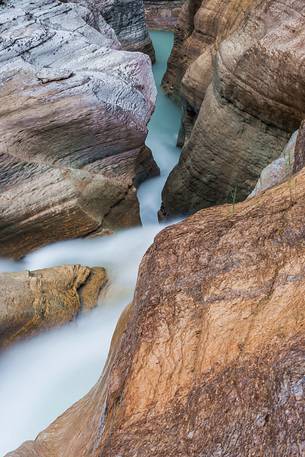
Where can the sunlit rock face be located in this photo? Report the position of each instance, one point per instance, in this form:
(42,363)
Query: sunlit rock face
(74,113)
(209,359)
(237,67)
(32,301)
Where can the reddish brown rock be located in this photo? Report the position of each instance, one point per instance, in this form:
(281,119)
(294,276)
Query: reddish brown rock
(210,358)
(33,301)
(162,15)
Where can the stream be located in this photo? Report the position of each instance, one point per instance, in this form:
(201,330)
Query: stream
(40,378)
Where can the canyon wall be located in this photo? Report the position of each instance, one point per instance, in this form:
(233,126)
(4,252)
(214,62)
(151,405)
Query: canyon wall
(237,68)
(74,115)
(209,358)
(162,15)
(127,19)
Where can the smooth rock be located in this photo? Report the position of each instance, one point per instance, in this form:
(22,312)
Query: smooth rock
(74,113)
(209,360)
(33,301)
(241,81)
(279,170)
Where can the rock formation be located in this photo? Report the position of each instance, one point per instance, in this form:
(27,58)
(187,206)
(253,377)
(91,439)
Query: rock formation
(74,113)
(32,301)
(299,153)
(209,360)
(278,171)
(237,65)
(162,15)
(127,19)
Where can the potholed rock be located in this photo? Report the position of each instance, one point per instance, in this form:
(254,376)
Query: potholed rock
(33,301)
(210,358)
(74,115)
(240,77)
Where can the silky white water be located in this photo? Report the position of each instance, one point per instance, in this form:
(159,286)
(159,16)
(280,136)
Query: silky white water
(40,378)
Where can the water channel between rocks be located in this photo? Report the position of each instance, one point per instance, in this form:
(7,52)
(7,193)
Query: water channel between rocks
(42,377)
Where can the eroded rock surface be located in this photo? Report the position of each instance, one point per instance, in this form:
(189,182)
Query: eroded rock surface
(210,358)
(279,170)
(32,301)
(162,15)
(237,65)
(126,17)
(74,113)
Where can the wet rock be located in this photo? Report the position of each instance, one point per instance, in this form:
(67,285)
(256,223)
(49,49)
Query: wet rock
(239,75)
(209,358)
(33,301)
(74,113)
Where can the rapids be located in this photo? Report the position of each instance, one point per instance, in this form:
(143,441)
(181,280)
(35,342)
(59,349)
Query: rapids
(41,377)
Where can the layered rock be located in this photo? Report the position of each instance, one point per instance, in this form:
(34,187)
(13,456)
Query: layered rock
(238,67)
(209,359)
(32,301)
(74,113)
(126,17)
(162,15)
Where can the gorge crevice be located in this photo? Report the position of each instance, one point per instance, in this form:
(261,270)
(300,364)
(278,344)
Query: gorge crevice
(208,358)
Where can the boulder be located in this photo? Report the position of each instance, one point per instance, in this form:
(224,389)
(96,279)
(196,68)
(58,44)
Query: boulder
(242,85)
(209,359)
(74,115)
(33,301)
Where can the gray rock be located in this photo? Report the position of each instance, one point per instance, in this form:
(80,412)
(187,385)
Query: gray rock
(279,170)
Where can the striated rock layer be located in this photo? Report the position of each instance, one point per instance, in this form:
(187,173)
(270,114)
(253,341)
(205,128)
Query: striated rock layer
(210,358)
(33,301)
(127,19)
(237,66)
(162,15)
(74,113)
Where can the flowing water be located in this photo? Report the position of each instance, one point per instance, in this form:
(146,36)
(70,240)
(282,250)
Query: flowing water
(42,377)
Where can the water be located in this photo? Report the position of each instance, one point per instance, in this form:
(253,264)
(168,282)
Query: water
(162,136)
(40,378)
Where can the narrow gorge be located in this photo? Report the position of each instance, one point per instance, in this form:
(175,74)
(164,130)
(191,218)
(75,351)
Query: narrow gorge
(152,248)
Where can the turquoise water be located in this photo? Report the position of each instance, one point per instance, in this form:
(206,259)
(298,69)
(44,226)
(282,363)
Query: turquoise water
(162,136)
(42,377)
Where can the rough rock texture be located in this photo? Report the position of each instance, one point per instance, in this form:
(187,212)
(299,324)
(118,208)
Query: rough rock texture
(238,66)
(127,19)
(74,110)
(299,155)
(210,358)
(279,170)
(162,15)
(32,301)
